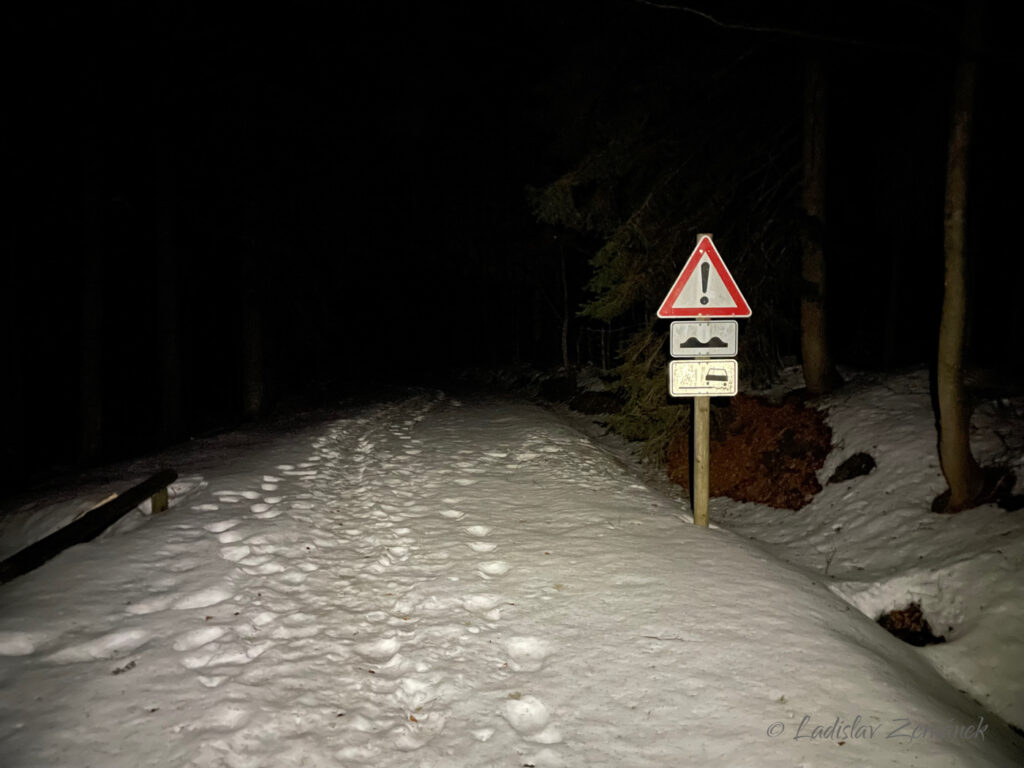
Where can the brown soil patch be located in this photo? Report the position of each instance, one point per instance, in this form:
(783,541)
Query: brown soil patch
(760,451)
(910,626)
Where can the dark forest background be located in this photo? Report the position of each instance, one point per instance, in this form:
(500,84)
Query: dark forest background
(221,212)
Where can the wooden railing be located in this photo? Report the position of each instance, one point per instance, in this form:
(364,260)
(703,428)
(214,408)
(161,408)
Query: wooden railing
(89,525)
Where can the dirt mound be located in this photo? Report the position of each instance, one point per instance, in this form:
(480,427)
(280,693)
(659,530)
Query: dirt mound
(760,451)
(910,626)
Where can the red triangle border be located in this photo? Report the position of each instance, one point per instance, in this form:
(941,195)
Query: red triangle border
(742,309)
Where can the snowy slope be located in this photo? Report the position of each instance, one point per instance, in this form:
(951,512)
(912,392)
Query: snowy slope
(426,583)
(877,542)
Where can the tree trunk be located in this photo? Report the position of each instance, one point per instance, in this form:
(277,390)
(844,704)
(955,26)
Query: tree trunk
(253,388)
(168,336)
(570,369)
(820,373)
(90,357)
(962,472)
(90,348)
(17,317)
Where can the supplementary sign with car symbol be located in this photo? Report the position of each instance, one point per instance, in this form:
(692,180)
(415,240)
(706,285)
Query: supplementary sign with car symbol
(702,338)
(710,378)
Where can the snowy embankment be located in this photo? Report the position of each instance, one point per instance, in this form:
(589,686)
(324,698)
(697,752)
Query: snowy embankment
(878,544)
(433,584)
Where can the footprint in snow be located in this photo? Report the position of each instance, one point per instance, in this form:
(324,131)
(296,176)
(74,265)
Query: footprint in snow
(197,638)
(417,733)
(234,554)
(184,565)
(484,605)
(484,602)
(235,656)
(494,568)
(293,577)
(267,513)
(21,643)
(223,525)
(379,651)
(530,718)
(150,605)
(105,647)
(527,653)
(261,566)
(204,598)
(224,717)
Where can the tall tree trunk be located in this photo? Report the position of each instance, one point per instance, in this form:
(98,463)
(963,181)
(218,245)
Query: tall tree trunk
(253,385)
(90,348)
(91,356)
(16,317)
(168,340)
(962,472)
(167,321)
(820,373)
(570,369)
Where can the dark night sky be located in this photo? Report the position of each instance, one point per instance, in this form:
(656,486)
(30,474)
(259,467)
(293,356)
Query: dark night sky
(366,167)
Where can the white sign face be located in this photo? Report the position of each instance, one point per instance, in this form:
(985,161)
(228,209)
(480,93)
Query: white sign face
(695,378)
(703,338)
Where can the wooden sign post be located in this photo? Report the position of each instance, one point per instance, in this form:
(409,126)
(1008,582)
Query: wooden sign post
(704,290)
(701,458)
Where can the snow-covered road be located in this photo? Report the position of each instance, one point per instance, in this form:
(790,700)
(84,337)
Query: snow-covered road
(432,583)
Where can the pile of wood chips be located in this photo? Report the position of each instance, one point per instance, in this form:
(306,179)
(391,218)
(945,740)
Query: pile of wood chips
(763,452)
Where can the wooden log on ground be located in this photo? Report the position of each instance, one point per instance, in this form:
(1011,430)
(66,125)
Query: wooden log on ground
(87,527)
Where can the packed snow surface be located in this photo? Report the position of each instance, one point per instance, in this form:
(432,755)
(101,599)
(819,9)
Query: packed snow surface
(433,583)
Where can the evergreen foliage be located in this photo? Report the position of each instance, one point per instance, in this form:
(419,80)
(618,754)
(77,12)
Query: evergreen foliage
(676,156)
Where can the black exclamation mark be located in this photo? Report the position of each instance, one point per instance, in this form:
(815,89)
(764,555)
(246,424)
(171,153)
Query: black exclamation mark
(705,269)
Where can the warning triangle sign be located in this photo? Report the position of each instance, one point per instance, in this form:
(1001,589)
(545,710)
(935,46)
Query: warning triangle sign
(704,288)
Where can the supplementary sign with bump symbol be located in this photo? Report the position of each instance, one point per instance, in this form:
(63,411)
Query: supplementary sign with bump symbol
(703,338)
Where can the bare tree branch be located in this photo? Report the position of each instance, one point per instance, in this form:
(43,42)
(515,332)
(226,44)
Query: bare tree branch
(803,34)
